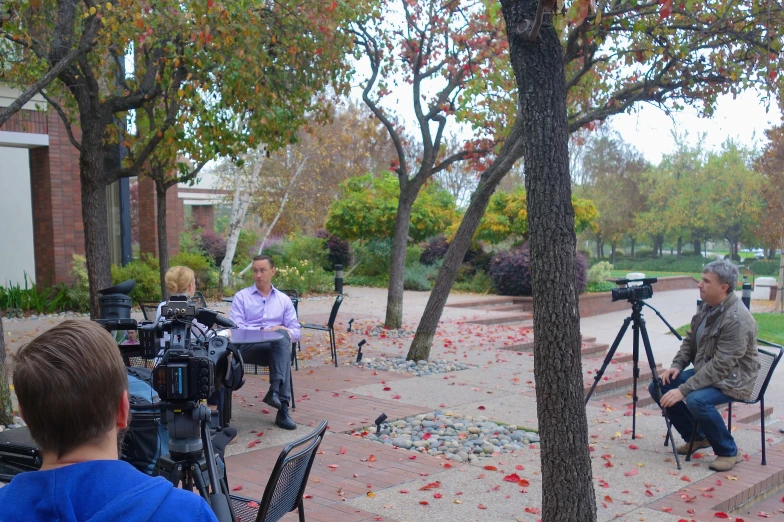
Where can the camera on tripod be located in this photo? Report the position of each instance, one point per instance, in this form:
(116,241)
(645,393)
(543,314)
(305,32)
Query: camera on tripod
(633,292)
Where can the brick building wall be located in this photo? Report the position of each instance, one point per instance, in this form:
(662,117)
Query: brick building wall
(148,229)
(204,216)
(56,196)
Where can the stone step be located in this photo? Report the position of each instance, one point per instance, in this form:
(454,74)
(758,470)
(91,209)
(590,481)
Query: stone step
(588,349)
(526,320)
(504,308)
(483,302)
(615,381)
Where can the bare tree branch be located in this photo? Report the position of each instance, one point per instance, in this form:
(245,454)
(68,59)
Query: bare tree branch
(64,119)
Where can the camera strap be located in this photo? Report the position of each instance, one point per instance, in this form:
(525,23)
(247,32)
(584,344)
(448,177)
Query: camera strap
(235,373)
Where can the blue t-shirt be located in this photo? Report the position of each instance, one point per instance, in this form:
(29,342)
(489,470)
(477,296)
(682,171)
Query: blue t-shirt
(98,491)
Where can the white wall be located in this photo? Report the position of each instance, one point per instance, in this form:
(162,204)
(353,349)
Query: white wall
(17,254)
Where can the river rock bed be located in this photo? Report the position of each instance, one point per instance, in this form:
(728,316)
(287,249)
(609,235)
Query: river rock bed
(459,438)
(418,368)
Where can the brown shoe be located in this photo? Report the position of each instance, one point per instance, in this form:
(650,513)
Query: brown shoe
(725,463)
(683,449)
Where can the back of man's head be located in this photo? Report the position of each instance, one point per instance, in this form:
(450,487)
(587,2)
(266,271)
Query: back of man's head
(69,382)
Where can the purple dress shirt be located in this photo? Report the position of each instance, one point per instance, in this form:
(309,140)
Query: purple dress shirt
(250,310)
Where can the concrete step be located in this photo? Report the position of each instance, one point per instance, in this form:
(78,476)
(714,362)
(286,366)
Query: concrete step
(525,318)
(616,380)
(483,302)
(504,308)
(588,349)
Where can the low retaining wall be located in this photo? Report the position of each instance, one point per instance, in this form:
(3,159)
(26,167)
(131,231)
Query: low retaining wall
(601,302)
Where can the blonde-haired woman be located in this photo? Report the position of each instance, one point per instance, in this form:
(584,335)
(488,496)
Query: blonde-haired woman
(180,280)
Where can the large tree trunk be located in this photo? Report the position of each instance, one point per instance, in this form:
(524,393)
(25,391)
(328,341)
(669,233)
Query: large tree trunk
(94,214)
(458,247)
(563,425)
(243,194)
(397,267)
(163,243)
(6,414)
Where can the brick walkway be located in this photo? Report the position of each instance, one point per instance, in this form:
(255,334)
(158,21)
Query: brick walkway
(360,466)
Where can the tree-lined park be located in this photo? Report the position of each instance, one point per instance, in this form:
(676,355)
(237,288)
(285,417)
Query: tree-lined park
(431,145)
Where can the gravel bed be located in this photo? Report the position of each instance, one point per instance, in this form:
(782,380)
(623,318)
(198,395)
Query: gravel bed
(419,368)
(389,333)
(457,437)
(13,315)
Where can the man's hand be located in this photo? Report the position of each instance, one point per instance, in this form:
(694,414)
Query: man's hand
(671,398)
(670,375)
(273,328)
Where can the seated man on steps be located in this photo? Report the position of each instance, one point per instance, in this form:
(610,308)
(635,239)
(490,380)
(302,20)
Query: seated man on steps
(262,307)
(722,345)
(73,395)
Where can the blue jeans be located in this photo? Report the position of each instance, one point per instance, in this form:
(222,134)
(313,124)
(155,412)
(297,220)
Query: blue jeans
(700,405)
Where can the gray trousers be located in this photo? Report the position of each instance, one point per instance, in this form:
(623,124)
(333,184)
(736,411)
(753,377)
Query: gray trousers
(276,355)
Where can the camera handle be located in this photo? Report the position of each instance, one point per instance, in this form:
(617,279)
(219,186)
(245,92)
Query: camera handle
(639,329)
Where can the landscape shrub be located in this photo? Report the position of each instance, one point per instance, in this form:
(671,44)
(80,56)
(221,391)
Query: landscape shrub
(413,253)
(214,245)
(419,277)
(145,272)
(510,272)
(599,272)
(338,250)
(434,250)
(372,257)
(207,274)
(304,277)
(479,283)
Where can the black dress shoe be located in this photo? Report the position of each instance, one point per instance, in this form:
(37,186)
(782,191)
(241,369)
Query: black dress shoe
(272,399)
(282,419)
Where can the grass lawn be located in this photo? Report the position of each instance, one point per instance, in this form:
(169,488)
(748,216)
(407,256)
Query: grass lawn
(617,274)
(771,327)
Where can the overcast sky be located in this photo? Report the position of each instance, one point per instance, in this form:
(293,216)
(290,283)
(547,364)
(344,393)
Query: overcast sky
(743,119)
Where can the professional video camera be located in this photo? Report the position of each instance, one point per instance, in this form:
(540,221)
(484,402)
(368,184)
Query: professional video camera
(633,292)
(189,369)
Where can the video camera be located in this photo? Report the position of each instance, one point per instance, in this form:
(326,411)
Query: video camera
(633,292)
(190,368)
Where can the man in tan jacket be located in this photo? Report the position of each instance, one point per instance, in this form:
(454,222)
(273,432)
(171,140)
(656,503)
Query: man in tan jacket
(722,345)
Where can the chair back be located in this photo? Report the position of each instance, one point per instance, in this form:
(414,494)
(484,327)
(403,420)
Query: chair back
(768,359)
(289,477)
(200,297)
(334,313)
(149,308)
(294,295)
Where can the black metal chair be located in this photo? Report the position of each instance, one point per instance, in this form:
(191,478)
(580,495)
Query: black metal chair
(295,346)
(286,485)
(329,327)
(149,309)
(200,297)
(768,361)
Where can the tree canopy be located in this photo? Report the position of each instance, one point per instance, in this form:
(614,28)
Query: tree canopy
(368,206)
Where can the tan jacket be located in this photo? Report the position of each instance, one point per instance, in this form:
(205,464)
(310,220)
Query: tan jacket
(727,356)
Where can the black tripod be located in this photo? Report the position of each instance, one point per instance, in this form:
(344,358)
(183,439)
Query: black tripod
(191,461)
(638,327)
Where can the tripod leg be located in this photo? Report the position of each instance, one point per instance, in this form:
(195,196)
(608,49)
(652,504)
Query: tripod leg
(657,382)
(635,372)
(608,357)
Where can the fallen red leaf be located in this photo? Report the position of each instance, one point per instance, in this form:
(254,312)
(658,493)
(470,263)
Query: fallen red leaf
(396,396)
(333,466)
(512,478)
(372,458)
(264,410)
(253,504)
(432,485)
(481,408)
(236,488)
(685,478)
(608,498)
(491,468)
(532,510)
(437,495)
(482,506)
(631,473)
(520,467)
(524,483)
(342,450)
(667,509)
(633,446)
(721,514)
(424,502)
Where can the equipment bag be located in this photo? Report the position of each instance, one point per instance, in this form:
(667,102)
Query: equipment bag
(147,438)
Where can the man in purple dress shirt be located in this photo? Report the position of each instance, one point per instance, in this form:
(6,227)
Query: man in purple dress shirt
(262,307)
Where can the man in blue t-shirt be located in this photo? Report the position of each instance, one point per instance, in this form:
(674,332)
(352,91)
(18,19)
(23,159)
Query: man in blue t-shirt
(73,394)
